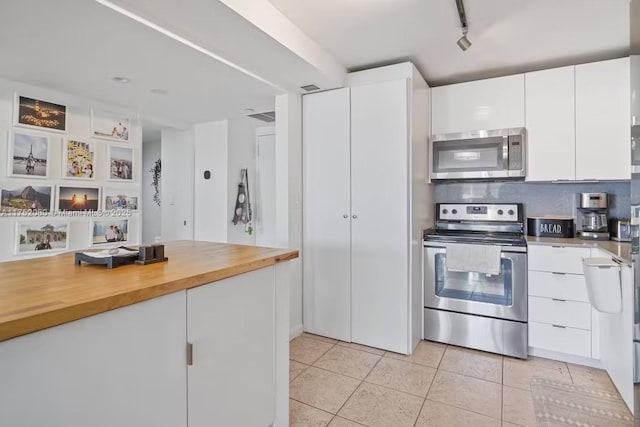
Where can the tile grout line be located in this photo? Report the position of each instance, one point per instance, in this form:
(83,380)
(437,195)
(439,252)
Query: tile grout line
(356,389)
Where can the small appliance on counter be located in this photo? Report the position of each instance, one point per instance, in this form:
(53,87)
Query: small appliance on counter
(550,226)
(592,216)
(620,229)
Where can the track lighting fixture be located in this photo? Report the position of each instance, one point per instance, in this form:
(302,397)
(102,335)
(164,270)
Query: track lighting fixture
(463,42)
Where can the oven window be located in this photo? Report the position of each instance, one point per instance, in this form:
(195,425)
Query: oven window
(471,286)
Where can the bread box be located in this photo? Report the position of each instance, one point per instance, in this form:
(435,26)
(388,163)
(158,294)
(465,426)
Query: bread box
(550,226)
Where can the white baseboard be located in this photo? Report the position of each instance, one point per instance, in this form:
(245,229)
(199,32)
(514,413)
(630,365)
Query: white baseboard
(563,357)
(295,331)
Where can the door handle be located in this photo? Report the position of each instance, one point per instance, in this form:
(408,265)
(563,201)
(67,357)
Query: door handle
(189,354)
(559,300)
(354,216)
(558,273)
(345,216)
(559,326)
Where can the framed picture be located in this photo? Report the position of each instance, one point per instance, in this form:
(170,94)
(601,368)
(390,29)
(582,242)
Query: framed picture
(75,198)
(104,231)
(120,198)
(28,154)
(34,237)
(120,163)
(78,159)
(112,126)
(39,114)
(19,199)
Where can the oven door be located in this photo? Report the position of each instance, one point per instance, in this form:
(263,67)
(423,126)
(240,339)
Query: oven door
(503,296)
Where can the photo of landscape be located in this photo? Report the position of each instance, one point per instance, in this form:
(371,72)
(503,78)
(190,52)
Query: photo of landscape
(43,114)
(18,199)
(78,198)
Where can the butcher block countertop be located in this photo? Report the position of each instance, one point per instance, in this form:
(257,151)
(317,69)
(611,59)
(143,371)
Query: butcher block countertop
(39,293)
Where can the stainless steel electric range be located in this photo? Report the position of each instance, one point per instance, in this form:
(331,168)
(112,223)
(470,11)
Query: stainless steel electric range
(476,309)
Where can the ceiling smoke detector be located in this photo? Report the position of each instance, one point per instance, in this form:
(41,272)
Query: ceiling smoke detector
(267,117)
(463,42)
(309,88)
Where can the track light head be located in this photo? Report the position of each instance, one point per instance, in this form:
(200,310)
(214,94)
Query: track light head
(463,42)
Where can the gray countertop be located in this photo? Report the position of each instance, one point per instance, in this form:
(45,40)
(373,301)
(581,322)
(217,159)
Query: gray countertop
(619,250)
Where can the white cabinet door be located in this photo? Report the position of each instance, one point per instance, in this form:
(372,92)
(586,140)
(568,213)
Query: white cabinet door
(125,367)
(380,229)
(603,146)
(550,122)
(484,104)
(231,326)
(327,214)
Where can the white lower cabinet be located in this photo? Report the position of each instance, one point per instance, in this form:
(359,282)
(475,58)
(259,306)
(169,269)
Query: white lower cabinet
(560,315)
(125,367)
(231,327)
(129,366)
(560,339)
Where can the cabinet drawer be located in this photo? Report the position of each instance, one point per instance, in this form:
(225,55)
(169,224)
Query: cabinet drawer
(558,285)
(558,312)
(559,259)
(562,340)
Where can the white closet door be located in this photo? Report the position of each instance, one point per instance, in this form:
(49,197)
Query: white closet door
(379,207)
(326,229)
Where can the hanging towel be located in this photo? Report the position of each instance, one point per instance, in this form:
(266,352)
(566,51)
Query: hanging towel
(476,258)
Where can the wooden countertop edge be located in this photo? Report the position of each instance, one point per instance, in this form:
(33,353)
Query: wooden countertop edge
(58,316)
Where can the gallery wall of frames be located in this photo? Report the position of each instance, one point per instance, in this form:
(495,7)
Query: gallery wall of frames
(70,175)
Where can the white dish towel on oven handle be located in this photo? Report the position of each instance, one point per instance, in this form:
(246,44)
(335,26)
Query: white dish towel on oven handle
(473,258)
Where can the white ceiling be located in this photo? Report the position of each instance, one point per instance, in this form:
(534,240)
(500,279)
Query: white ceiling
(508,36)
(77,46)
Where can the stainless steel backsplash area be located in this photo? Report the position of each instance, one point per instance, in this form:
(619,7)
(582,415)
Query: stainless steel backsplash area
(538,198)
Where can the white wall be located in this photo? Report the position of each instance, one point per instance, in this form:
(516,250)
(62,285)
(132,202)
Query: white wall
(242,154)
(151,212)
(177,184)
(210,203)
(289,194)
(78,127)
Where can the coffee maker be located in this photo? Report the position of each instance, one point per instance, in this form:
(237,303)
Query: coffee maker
(592,216)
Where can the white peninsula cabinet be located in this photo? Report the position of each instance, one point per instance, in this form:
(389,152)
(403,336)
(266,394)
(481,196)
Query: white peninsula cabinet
(131,366)
(478,105)
(366,202)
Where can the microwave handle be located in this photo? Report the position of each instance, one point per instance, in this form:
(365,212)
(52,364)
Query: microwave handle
(505,152)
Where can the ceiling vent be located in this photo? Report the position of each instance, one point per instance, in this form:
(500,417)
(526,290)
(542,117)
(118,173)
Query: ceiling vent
(268,117)
(309,88)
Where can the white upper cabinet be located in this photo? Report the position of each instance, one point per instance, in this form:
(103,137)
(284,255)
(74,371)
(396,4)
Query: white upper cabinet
(603,147)
(479,105)
(550,123)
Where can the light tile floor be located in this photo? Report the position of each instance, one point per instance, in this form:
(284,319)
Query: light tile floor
(339,384)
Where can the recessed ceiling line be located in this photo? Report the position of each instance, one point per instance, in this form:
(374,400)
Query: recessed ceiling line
(185,42)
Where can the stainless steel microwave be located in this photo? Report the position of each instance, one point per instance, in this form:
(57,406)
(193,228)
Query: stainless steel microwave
(486,154)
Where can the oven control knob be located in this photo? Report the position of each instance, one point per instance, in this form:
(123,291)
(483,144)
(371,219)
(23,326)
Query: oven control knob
(444,211)
(454,211)
(500,212)
(511,212)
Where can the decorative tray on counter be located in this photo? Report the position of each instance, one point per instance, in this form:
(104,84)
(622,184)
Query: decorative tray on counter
(112,258)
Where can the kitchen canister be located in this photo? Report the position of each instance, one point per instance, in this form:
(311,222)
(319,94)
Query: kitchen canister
(550,226)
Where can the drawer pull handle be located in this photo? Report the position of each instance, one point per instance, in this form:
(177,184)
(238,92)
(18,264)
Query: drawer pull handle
(558,273)
(557,247)
(559,326)
(559,300)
